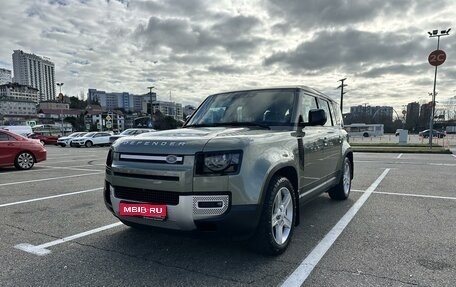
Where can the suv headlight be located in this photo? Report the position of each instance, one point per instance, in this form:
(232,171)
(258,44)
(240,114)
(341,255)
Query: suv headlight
(218,163)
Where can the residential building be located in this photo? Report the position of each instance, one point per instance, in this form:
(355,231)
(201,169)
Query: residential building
(10,107)
(412,117)
(116,101)
(54,105)
(35,71)
(17,91)
(371,114)
(171,109)
(5,76)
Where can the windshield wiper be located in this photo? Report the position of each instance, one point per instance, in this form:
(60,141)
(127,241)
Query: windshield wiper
(199,126)
(235,124)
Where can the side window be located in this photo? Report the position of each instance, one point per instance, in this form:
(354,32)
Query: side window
(324,105)
(308,103)
(337,114)
(4,137)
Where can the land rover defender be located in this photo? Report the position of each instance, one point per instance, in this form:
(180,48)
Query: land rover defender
(240,165)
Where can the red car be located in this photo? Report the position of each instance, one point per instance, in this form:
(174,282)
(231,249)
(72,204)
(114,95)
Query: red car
(20,151)
(44,137)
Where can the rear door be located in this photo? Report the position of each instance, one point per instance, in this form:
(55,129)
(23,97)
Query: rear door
(101,138)
(332,144)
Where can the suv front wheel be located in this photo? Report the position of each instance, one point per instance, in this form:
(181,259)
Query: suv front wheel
(276,225)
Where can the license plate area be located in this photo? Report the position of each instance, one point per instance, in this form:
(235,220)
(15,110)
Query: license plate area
(148,210)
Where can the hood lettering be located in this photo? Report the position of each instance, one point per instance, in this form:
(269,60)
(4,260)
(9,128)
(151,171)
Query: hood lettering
(152,143)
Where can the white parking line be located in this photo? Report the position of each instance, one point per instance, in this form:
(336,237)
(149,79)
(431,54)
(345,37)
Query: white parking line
(41,250)
(49,197)
(85,159)
(410,194)
(303,271)
(50,178)
(399,156)
(70,168)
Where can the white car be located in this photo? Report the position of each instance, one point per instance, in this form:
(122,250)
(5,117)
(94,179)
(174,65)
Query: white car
(65,141)
(91,139)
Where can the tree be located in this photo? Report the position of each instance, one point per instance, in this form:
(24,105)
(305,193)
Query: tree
(76,103)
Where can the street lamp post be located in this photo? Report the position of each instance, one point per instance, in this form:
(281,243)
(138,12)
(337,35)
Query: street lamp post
(150,99)
(435,33)
(60,98)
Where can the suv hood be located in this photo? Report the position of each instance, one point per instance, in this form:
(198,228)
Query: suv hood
(186,140)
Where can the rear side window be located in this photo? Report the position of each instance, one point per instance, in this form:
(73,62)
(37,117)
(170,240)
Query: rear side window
(4,137)
(308,103)
(337,114)
(324,105)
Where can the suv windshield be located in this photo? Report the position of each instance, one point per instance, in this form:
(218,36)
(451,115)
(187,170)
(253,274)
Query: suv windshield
(262,108)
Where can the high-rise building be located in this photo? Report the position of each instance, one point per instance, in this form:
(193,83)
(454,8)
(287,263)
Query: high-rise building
(425,116)
(113,101)
(412,117)
(35,71)
(5,76)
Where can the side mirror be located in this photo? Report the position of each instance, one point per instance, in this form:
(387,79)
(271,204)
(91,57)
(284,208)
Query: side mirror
(317,117)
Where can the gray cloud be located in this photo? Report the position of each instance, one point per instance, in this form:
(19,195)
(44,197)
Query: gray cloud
(323,13)
(349,49)
(401,69)
(233,34)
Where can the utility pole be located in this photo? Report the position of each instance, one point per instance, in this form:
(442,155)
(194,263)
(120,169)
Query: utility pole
(435,60)
(150,99)
(342,85)
(60,99)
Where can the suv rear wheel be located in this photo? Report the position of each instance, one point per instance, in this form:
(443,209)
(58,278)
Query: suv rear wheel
(342,190)
(277,221)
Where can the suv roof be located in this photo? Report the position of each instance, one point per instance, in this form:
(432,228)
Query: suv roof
(298,87)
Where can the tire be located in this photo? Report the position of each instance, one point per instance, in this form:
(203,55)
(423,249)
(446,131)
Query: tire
(276,226)
(342,190)
(62,145)
(365,135)
(88,144)
(24,161)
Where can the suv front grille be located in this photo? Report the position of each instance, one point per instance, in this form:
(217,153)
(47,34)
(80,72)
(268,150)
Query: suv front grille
(146,195)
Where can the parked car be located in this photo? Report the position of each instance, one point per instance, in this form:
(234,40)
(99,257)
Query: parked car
(20,130)
(435,133)
(19,151)
(92,139)
(241,166)
(129,132)
(44,137)
(66,140)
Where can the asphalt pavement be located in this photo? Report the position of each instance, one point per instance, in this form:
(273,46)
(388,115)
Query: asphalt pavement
(396,229)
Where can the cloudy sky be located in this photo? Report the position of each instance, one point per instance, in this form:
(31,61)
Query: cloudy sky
(192,48)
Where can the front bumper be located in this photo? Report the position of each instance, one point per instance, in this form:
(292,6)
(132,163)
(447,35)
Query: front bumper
(228,220)
(76,144)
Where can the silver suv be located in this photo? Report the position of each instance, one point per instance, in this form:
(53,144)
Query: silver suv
(241,165)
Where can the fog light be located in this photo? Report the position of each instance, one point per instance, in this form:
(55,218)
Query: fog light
(210,204)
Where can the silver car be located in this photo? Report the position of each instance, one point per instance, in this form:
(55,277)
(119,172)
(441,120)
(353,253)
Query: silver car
(66,140)
(240,166)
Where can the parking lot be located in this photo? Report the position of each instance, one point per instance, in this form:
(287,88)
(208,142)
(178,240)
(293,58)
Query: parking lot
(397,229)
